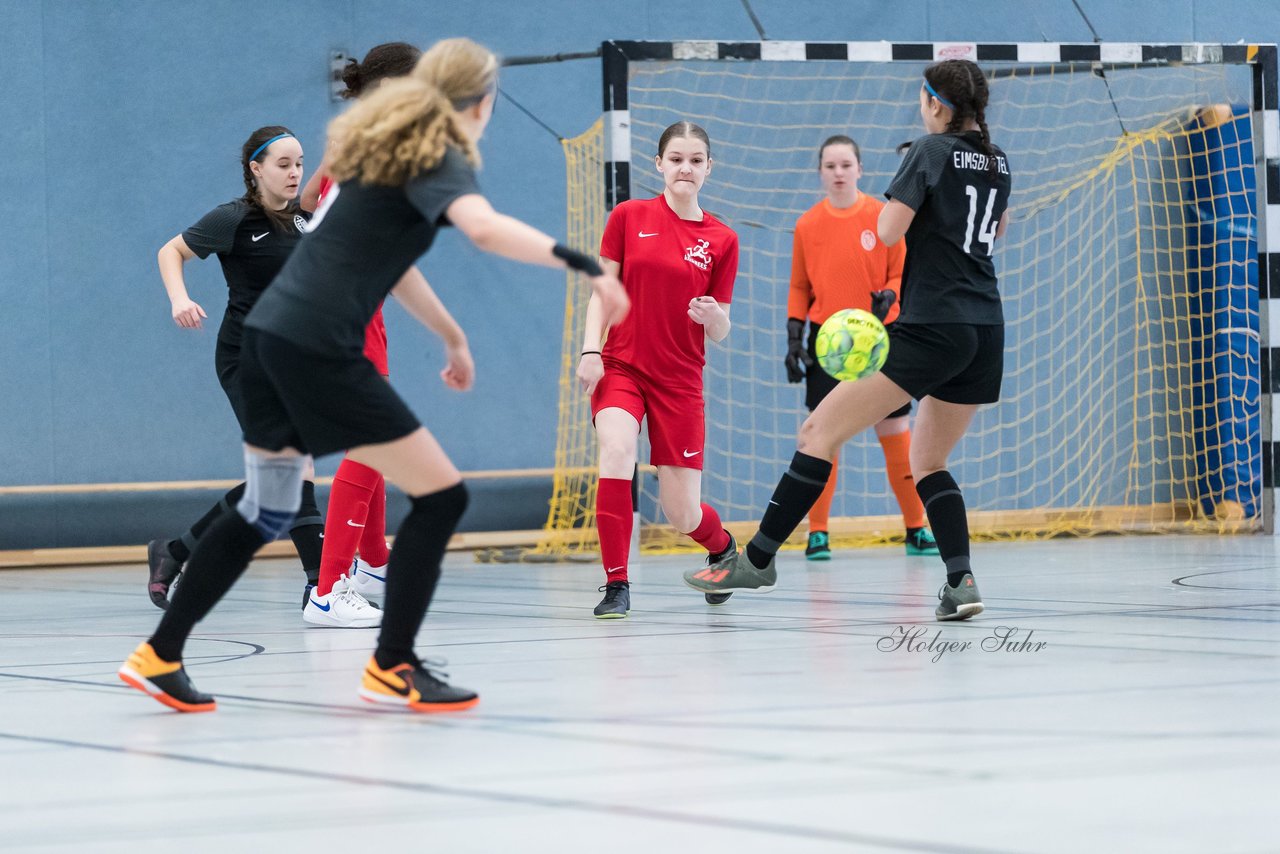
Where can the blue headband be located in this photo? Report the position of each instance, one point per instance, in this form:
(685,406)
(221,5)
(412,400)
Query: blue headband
(941,99)
(260,148)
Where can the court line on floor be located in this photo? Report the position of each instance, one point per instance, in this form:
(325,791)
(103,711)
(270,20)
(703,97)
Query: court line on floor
(539,727)
(516,799)
(304,705)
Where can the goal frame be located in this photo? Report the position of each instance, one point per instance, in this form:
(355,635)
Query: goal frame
(617,55)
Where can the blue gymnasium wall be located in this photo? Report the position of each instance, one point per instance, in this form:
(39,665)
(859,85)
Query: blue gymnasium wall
(120,125)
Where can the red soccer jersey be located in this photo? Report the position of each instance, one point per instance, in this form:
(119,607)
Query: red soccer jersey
(666,261)
(375,334)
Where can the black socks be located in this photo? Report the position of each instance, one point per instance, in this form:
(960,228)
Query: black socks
(181,548)
(307,532)
(220,557)
(795,494)
(414,569)
(944,505)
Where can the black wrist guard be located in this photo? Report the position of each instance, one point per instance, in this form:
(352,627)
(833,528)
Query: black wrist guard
(575,260)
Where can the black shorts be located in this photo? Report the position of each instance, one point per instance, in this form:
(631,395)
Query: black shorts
(953,362)
(226,361)
(318,404)
(818,383)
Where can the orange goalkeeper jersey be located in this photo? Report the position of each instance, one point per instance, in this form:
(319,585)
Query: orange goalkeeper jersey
(837,260)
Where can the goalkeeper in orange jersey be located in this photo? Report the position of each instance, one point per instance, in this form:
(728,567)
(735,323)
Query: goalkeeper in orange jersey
(838,262)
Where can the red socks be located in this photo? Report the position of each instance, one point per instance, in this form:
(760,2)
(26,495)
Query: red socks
(356,517)
(373,539)
(710,534)
(613,521)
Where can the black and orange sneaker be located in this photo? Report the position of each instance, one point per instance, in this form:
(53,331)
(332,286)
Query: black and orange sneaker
(414,687)
(163,568)
(166,681)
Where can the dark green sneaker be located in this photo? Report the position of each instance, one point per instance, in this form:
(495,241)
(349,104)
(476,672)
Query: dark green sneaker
(819,546)
(734,574)
(921,542)
(616,602)
(959,603)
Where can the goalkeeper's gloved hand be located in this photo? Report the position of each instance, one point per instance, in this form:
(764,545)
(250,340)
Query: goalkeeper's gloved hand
(798,358)
(881,302)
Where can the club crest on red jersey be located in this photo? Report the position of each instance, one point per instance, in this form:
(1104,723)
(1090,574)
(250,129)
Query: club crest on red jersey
(698,255)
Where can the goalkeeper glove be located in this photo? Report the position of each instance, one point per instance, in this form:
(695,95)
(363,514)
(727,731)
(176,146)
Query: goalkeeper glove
(798,358)
(881,302)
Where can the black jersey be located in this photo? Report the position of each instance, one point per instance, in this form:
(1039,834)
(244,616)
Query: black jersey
(948,276)
(251,252)
(366,239)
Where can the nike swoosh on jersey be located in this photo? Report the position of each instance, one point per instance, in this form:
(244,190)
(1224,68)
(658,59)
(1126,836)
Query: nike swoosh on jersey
(687,454)
(651,234)
(353,524)
(258,237)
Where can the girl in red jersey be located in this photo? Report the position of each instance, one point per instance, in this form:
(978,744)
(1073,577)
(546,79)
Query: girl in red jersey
(357,511)
(678,265)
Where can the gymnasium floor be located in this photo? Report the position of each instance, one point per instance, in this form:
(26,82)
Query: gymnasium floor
(1148,721)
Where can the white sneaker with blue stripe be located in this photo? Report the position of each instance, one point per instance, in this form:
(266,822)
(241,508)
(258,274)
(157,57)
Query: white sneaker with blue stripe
(369,581)
(341,608)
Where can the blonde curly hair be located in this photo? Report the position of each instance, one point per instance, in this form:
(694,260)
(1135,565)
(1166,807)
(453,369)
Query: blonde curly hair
(403,128)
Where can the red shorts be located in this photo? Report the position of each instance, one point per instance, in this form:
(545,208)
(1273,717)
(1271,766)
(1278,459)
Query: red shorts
(677,426)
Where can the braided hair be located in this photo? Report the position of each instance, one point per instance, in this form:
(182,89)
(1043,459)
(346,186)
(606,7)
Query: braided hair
(963,84)
(281,220)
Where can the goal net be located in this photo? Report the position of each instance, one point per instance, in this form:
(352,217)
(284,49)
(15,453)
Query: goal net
(1131,391)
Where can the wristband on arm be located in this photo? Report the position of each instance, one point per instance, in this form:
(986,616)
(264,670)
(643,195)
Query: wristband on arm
(576,260)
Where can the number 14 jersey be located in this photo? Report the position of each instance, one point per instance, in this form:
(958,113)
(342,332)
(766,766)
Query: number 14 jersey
(948,275)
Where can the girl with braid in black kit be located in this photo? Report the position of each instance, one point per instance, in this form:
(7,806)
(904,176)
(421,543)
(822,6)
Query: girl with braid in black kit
(405,159)
(949,199)
(252,237)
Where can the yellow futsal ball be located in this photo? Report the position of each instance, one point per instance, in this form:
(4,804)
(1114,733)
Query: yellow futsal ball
(852,344)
